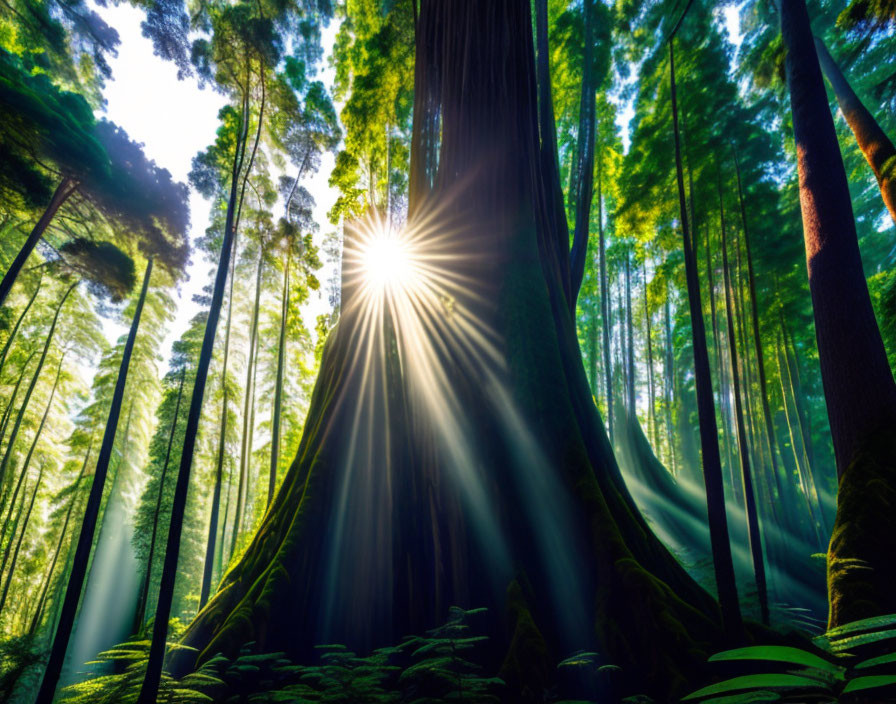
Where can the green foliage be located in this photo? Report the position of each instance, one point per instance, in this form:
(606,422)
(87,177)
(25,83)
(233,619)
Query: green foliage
(801,675)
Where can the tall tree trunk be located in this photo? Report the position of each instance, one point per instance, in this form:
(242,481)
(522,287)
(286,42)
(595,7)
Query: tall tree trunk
(743,446)
(798,459)
(209,563)
(65,189)
(668,380)
(62,533)
(876,146)
(150,687)
(475,71)
(651,410)
(15,555)
(140,613)
(278,389)
(604,298)
(7,413)
(15,328)
(709,438)
(772,442)
(248,394)
(27,463)
(91,511)
(585,182)
(11,443)
(630,340)
(858,383)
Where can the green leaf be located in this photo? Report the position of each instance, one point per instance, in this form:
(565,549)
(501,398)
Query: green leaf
(764,681)
(781,653)
(874,662)
(869,682)
(843,644)
(865,624)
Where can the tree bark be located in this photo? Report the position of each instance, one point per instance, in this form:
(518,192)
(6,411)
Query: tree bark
(855,373)
(876,146)
(709,439)
(91,512)
(65,189)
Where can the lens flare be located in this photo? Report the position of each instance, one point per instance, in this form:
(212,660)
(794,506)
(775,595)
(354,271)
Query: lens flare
(388,261)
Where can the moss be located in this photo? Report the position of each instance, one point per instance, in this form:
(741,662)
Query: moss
(862,552)
(527,666)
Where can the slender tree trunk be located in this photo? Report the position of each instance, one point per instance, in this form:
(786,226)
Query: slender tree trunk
(651,411)
(15,328)
(10,445)
(585,182)
(209,563)
(91,512)
(140,614)
(27,463)
(150,687)
(798,459)
(65,188)
(773,448)
(7,413)
(604,298)
(876,146)
(15,555)
(49,578)
(248,394)
(858,383)
(278,390)
(668,379)
(746,472)
(709,439)
(630,341)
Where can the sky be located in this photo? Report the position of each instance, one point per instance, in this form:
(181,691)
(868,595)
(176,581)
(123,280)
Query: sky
(174,120)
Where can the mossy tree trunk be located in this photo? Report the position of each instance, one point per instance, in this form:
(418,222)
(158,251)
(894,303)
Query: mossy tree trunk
(476,173)
(858,383)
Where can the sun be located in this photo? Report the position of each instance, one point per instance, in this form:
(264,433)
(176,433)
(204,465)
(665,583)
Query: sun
(388,261)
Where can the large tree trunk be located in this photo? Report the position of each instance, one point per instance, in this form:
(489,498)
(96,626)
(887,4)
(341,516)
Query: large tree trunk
(858,383)
(65,189)
(466,426)
(91,511)
(604,298)
(706,413)
(876,146)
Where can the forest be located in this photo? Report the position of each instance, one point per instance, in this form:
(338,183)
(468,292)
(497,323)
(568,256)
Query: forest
(421,351)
